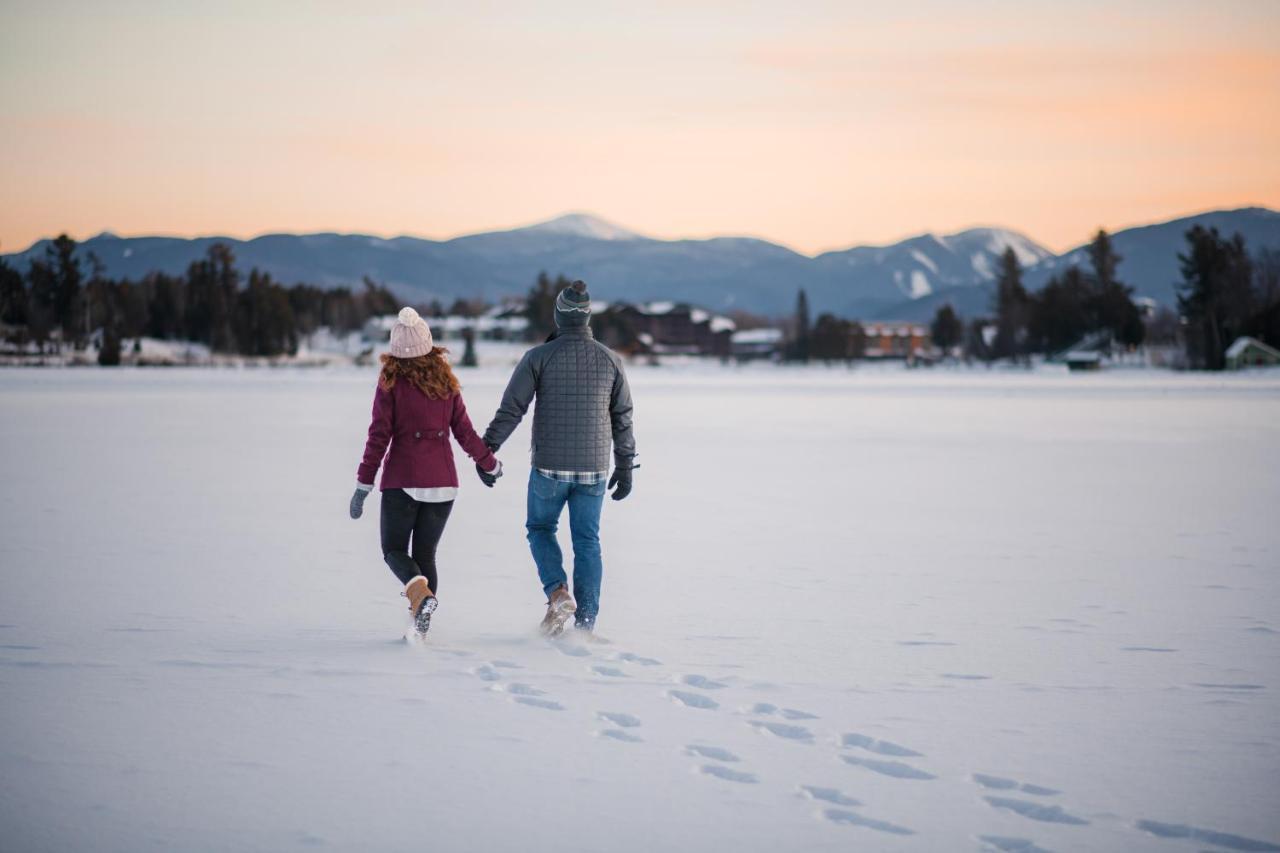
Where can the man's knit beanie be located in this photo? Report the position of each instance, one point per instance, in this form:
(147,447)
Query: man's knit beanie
(573,306)
(410,336)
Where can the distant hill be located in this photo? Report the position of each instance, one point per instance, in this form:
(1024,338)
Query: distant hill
(905,280)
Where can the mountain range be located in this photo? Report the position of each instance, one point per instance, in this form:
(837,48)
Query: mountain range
(906,280)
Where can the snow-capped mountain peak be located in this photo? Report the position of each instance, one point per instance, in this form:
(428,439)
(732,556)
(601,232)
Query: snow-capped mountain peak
(994,241)
(583,225)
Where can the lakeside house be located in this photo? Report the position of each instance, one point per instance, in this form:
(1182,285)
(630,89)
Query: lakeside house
(1251,352)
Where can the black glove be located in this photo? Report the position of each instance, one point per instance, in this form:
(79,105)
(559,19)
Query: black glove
(357,502)
(489,478)
(622,479)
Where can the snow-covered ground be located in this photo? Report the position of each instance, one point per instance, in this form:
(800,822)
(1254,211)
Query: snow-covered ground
(866,610)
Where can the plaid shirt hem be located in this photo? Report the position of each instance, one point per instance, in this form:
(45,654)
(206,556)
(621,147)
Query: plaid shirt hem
(582,478)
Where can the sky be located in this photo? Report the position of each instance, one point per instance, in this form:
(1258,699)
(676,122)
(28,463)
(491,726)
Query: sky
(819,125)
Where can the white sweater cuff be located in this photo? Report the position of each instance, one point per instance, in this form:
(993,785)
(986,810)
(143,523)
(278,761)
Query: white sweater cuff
(364,487)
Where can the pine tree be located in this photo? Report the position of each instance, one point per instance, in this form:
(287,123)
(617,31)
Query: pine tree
(13,296)
(1216,295)
(1062,312)
(1011,305)
(1113,307)
(67,280)
(540,305)
(947,330)
(832,339)
(800,345)
(1265,324)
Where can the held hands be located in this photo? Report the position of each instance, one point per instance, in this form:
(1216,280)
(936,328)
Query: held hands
(622,479)
(357,502)
(489,478)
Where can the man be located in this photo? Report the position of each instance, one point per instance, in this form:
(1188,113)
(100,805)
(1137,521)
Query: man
(584,404)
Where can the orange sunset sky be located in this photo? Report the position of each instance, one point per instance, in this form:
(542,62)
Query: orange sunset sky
(817,125)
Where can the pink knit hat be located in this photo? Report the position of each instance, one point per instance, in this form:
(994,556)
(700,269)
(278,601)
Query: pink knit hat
(410,336)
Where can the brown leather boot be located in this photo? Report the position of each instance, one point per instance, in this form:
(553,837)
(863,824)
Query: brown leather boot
(560,606)
(422,603)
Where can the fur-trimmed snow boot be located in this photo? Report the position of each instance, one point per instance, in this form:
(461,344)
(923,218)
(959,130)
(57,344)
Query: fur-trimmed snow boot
(422,603)
(560,606)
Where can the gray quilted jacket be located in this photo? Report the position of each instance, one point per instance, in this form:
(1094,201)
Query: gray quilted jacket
(584,404)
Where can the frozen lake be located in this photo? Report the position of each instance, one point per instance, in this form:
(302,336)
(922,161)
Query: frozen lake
(868,610)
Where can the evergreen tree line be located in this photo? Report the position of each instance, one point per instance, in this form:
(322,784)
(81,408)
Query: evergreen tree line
(61,300)
(1224,293)
(828,339)
(1073,305)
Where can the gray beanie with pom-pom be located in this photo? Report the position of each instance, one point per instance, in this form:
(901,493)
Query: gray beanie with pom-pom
(573,306)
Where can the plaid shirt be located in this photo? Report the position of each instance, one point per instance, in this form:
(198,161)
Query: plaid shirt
(582,478)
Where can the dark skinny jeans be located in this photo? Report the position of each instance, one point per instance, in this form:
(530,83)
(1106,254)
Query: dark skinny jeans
(404,518)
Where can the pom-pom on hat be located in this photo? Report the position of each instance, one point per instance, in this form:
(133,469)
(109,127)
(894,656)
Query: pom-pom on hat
(410,336)
(573,306)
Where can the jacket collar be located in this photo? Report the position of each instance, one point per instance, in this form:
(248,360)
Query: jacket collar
(571,331)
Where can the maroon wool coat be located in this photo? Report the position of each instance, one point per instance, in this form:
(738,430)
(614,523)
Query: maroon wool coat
(417,429)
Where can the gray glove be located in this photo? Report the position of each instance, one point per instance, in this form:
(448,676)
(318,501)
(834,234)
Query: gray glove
(357,502)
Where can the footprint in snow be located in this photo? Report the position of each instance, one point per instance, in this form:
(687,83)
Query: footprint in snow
(849,818)
(517,689)
(487,673)
(534,702)
(505,664)
(895,769)
(702,682)
(1206,836)
(609,671)
(1007,844)
(620,735)
(828,795)
(879,747)
(628,657)
(572,650)
(785,731)
(1036,811)
(728,774)
(693,700)
(766,709)
(999,783)
(627,721)
(715,753)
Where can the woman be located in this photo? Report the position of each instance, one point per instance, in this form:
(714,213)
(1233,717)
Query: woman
(417,404)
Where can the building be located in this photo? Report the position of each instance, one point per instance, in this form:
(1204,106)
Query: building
(1251,352)
(499,323)
(896,340)
(756,344)
(664,328)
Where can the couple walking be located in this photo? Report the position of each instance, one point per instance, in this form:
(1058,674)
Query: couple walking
(583,407)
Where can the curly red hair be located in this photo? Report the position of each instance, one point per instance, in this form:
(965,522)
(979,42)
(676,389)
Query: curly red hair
(431,373)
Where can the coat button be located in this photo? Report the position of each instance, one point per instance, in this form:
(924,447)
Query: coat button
(417,435)
(440,434)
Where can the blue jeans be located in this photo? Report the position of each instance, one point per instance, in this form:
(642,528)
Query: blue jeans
(547,498)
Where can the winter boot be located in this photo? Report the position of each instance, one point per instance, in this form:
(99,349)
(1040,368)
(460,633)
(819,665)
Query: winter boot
(422,603)
(560,607)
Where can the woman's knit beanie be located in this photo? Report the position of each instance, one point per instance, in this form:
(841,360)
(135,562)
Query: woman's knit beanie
(573,306)
(410,336)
